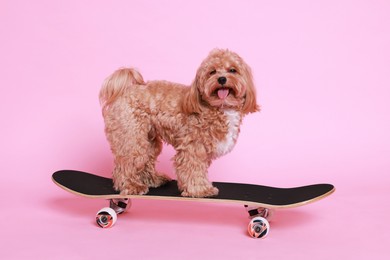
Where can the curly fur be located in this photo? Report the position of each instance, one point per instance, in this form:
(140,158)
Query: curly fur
(201,122)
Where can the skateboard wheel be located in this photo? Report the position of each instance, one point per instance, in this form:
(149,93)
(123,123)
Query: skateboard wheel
(258,227)
(106,217)
(120,205)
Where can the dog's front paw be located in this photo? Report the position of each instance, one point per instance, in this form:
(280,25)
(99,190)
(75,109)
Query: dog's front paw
(200,192)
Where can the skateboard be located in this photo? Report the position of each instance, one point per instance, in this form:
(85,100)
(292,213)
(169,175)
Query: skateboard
(259,201)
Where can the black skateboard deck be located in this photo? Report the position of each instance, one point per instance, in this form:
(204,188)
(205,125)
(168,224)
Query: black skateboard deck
(94,186)
(259,200)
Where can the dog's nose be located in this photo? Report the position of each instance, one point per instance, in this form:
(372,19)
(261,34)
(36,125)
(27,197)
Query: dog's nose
(222,80)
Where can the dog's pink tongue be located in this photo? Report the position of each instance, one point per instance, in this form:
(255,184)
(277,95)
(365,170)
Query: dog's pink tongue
(223,93)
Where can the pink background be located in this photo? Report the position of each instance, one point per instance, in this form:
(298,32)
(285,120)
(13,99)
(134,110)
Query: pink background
(322,70)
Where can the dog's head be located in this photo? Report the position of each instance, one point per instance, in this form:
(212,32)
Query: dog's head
(223,80)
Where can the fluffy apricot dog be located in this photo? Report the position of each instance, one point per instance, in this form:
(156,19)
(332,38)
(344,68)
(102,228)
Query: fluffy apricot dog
(201,122)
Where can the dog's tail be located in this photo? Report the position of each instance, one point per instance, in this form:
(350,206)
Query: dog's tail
(116,84)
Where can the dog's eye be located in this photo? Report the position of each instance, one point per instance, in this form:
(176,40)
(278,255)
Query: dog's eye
(213,72)
(232,70)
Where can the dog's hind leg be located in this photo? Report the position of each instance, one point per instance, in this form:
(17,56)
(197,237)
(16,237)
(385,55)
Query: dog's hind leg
(150,176)
(125,177)
(130,166)
(127,133)
(135,171)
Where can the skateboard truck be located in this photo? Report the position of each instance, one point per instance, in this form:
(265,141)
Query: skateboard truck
(120,205)
(259,212)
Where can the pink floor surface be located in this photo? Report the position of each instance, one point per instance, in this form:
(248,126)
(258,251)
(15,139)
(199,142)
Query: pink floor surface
(322,73)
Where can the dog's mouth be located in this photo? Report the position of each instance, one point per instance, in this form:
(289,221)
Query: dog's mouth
(223,92)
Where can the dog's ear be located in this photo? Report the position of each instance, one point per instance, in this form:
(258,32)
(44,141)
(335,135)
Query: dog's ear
(191,101)
(250,104)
